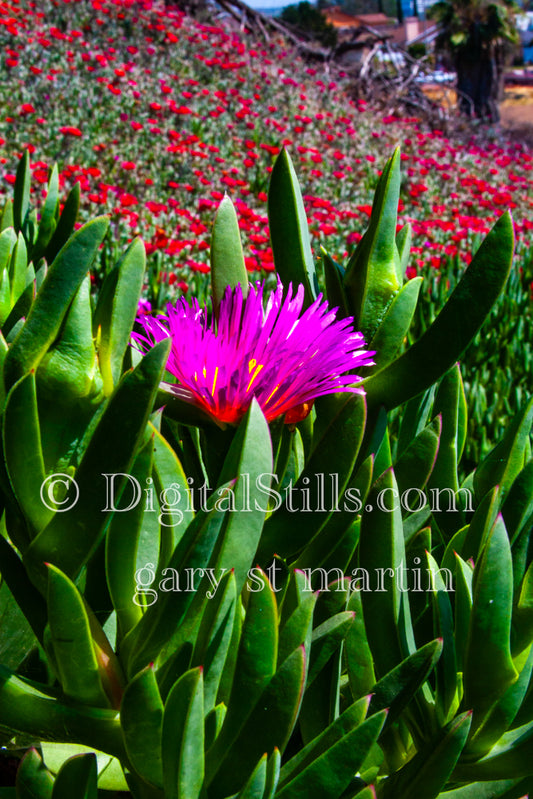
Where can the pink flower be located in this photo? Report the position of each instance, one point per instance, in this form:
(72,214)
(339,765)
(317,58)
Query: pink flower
(280,356)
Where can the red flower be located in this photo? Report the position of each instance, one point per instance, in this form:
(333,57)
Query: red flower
(68,130)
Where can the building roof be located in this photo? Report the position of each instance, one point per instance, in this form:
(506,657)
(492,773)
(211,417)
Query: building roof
(373,20)
(339,19)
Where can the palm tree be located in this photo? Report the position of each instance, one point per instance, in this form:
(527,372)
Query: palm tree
(475,33)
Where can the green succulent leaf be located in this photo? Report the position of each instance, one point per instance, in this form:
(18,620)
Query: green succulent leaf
(268,726)
(34,781)
(183,738)
(334,452)
(65,224)
(393,328)
(289,233)
(397,688)
(116,311)
(77,776)
(489,668)
(381,555)
(21,199)
(141,716)
(443,343)
(371,279)
(504,463)
(426,774)
(331,771)
(23,452)
(47,223)
(227,258)
(53,300)
(72,536)
(73,647)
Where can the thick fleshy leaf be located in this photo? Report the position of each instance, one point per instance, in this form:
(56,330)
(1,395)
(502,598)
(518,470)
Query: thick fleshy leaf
(18,313)
(33,779)
(334,274)
(255,785)
(329,774)
(175,501)
(510,758)
(463,608)
(371,278)
(141,717)
(214,636)
(18,268)
(349,720)
(52,302)
(394,326)
(443,343)
(21,199)
(327,639)
(273,771)
(121,544)
(77,777)
(414,466)
(289,233)
(47,222)
(249,462)
(26,595)
(227,258)
(381,557)
(517,509)
(6,219)
(334,545)
(68,372)
(443,625)
(183,738)
(334,452)
(357,651)
(403,243)
(70,538)
(298,629)
(17,638)
(500,789)
(65,224)
(426,774)
(397,688)
(506,460)
(24,708)
(116,311)
(170,603)
(73,647)
(450,405)
(109,771)
(489,669)
(255,665)
(268,726)
(23,452)
(502,715)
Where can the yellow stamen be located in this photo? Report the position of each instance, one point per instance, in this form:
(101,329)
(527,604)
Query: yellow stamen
(214,380)
(271,394)
(257,370)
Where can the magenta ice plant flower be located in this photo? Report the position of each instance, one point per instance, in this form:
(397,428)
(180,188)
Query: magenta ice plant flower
(277,354)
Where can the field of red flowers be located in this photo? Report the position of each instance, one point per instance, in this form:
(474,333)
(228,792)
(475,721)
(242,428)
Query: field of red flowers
(157,115)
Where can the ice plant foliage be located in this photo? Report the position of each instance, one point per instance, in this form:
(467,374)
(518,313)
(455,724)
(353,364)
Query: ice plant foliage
(277,354)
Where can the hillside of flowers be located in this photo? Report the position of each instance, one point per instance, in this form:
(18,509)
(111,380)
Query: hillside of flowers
(157,115)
